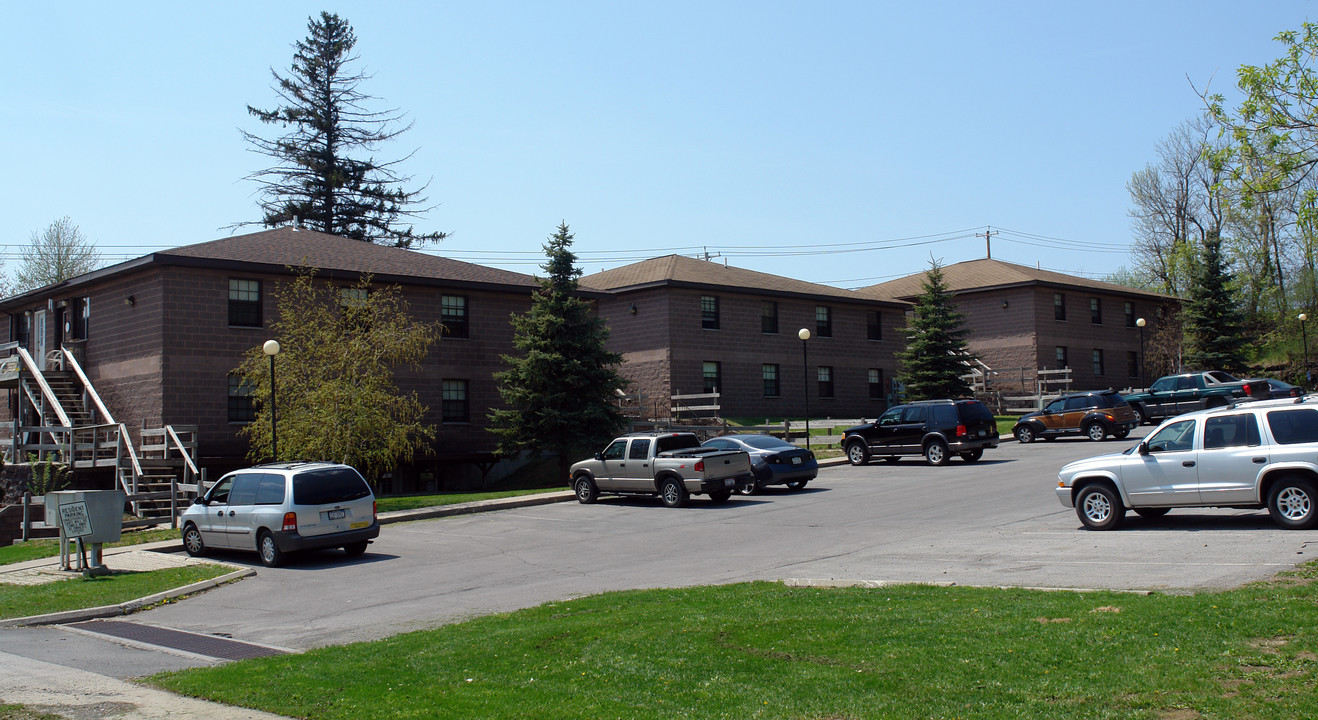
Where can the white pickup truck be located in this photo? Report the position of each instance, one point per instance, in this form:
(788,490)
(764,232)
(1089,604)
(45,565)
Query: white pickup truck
(1261,454)
(673,466)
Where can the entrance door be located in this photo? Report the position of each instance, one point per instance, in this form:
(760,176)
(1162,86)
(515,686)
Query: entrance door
(39,338)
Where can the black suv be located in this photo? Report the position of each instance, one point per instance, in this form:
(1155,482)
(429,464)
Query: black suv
(932,428)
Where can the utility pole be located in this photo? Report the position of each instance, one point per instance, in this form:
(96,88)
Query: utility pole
(988,245)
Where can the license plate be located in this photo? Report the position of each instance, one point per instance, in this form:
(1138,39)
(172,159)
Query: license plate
(336,514)
(796,461)
(729,482)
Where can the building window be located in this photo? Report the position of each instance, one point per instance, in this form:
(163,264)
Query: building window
(709,312)
(244,303)
(82,312)
(713,374)
(825,375)
(1130,314)
(874,325)
(769,317)
(1098,363)
(1059,306)
(770,374)
(1061,357)
(1132,364)
(1095,311)
(455,406)
(242,407)
(453,315)
(876,383)
(824,321)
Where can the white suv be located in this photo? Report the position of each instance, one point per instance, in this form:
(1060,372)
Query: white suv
(282,507)
(1255,455)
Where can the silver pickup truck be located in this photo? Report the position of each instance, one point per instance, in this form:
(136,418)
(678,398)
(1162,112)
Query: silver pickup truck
(673,466)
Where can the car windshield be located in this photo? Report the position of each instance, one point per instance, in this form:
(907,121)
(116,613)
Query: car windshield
(328,486)
(766,442)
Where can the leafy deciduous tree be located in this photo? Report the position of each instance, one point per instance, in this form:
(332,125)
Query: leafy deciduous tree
(335,394)
(57,253)
(317,181)
(560,390)
(935,356)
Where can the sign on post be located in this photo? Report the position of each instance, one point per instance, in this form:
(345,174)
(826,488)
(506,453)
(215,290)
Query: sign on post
(74,519)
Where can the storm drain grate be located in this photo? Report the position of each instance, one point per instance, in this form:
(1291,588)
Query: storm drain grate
(208,645)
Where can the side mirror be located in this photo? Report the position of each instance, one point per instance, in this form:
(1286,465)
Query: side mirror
(201,501)
(599,456)
(1143,448)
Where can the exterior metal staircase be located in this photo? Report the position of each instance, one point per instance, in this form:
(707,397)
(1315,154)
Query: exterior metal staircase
(74,426)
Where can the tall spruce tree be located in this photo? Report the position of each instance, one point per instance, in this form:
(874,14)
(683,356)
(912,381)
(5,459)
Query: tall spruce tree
(934,359)
(1213,321)
(560,389)
(316,180)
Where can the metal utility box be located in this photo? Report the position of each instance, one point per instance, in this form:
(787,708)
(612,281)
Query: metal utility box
(93,516)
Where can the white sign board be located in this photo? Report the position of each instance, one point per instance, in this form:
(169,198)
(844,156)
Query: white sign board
(74,520)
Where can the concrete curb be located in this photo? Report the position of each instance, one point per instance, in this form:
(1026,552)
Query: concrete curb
(128,607)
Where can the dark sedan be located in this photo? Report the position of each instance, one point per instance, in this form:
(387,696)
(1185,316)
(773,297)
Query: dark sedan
(774,461)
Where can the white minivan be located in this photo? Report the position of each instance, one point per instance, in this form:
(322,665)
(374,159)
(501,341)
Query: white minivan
(283,507)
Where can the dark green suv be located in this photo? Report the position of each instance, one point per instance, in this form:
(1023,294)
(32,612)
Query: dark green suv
(936,429)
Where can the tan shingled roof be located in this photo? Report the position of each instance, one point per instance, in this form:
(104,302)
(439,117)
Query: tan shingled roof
(677,269)
(287,246)
(974,275)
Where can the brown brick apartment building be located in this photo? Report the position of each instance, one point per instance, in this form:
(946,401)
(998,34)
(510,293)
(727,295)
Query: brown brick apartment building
(687,326)
(1026,318)
(159,335)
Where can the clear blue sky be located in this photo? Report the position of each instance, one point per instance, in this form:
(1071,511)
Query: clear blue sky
(775,134)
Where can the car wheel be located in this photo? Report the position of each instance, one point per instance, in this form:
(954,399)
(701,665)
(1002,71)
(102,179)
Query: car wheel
(586,490)
(1292,503)
(271,555)
(355,549)
(1025,434)
(973,455)
(935,453)
(1140,417)
(192,541)
(797,485)
(1095,431)
(1151,513)
(749,489)
(673,492)
(858,453)
(1099,507)
(719,496)
(1121,434)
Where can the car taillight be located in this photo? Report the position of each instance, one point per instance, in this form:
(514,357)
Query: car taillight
(700,466)
(290,522)
(960,430)
(372,509)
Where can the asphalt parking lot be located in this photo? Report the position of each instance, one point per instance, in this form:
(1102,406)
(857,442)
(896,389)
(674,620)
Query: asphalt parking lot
(995,522)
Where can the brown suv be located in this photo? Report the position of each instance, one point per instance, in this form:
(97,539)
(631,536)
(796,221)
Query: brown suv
(1094,414)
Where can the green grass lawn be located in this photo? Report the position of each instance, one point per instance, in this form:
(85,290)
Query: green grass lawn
(411,502)
(763,650)
(78,592)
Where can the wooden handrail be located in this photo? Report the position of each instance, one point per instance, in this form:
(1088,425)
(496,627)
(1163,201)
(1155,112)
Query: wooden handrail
(182,450)
(87,385)
(45,386)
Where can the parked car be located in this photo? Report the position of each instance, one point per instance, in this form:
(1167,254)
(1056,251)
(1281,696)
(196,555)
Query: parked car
(1172,395)
(278,508)
(1276,388)
(1094,415)
(671,465)
(774,461)
(1261,454)
(935,429)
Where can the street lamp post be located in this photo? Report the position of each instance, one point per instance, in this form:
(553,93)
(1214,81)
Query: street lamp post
(804,334)
(1140,324)
(1304,336)
(271,348)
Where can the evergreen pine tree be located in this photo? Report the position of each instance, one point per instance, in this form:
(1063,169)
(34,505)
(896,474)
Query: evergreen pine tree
(560,389)
(934,359)
(316,181)
(1213,322)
